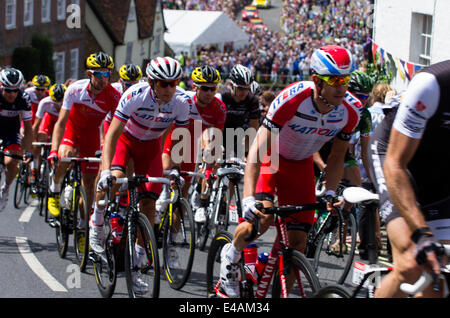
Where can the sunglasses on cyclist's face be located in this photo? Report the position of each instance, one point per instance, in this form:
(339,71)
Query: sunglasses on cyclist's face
(10,90)
(165,84)
(242,88)
(41,89)
(128,84)
(362,97)
(335,81)
(100,74)
(208,88)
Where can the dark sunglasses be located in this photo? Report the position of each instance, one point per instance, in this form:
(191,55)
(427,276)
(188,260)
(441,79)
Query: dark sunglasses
(10,90)
(166,84)
(40,89)
(99,74)
(208,88)
(362,97)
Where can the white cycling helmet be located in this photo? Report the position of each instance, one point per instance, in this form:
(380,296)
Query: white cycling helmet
(332,60)
(10,77)
(241,75)
(164,68)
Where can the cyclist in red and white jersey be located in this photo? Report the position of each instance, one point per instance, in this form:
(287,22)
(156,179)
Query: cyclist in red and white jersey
(144,113)
(210,113)
(300,120)
(46,117)
(38,92)
(77,131)
(129,74)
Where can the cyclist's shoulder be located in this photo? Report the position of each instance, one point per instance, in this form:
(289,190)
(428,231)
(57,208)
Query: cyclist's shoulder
(296,92)
(46,101)
(353,102)
(76,88)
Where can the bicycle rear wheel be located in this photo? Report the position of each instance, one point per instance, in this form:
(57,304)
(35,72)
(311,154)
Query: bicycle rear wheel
(213,260)
(334,260)
(26,185)
(105,265)
(81,234)
(142,279)
(62,232)
(179,244)
(332,291)
(301,282)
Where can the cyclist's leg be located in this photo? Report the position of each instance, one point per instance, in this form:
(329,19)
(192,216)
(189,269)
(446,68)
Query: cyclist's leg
(11,164)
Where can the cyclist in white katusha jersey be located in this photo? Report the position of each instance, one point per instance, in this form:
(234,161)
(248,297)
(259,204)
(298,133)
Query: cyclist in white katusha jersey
(145,112)
(301,119)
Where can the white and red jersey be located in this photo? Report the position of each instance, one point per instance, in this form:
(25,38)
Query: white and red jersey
(213,115)
(86,111)
(145,118)
(119,88)
(31,91)
(47,105)
(303,130)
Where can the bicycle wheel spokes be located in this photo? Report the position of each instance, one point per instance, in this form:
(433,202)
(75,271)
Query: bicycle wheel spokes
(81,234)
(142,274)
(105,266)
(19,189)
(62,233)
(333,258)
(300,280)
(179,245)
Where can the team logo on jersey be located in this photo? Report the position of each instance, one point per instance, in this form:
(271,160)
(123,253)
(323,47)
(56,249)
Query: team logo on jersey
(420,106)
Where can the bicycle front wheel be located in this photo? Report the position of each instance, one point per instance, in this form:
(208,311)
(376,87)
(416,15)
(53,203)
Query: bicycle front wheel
(332,258)
(105,266)
(80,235)
(142,275)
(300,280)
(213,260)
(179,244)
(332,291)
(19,190)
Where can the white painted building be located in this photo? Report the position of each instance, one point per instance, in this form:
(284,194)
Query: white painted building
(416,31)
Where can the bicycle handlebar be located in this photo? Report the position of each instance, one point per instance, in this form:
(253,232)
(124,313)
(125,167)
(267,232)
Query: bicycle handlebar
(42,144)
(425,279)
(80,159)
(142,179)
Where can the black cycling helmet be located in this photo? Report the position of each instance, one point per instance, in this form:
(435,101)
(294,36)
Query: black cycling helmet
(241,75)
(130,72)
(11,77)
(99,60)
(360,83)
(41,81)
(205,74)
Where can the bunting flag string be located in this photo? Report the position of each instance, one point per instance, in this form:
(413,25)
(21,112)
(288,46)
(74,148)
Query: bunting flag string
(404,69)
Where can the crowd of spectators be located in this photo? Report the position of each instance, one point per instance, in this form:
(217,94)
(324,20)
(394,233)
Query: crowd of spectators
(284,56)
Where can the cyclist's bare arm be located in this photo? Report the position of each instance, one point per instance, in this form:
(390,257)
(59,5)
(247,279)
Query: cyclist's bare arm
(164,136)
(317,158)
(109,147)
(400,151)
(60,126)
(365,155)
(255,155)
(28,136)
(335,163)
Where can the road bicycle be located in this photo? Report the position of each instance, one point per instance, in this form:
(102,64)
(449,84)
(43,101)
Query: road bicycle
(74,208)
(42,179)
(176,235)
(331,241)
(218,213)
(120,254)
(22,189)
(292,271)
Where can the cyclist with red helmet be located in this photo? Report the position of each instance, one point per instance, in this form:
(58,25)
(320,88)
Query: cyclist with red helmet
(299,121)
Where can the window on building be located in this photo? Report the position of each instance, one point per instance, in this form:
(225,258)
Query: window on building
(28,12)
(129,55)
(46,11)
(74,58)
(10,14)
(425,37)
(132,13)
(59,64)
(61,10)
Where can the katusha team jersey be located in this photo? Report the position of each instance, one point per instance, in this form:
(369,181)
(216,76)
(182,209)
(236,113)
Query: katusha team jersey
(145,118)
(302,129)
(31,91)
(46,105)
(87,112)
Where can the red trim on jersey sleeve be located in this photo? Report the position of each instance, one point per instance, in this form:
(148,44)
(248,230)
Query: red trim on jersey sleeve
(353,118)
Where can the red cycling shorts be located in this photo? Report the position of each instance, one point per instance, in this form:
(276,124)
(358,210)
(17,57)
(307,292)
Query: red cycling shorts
(293,182)
(86,141)
(146,157)
(47,124)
